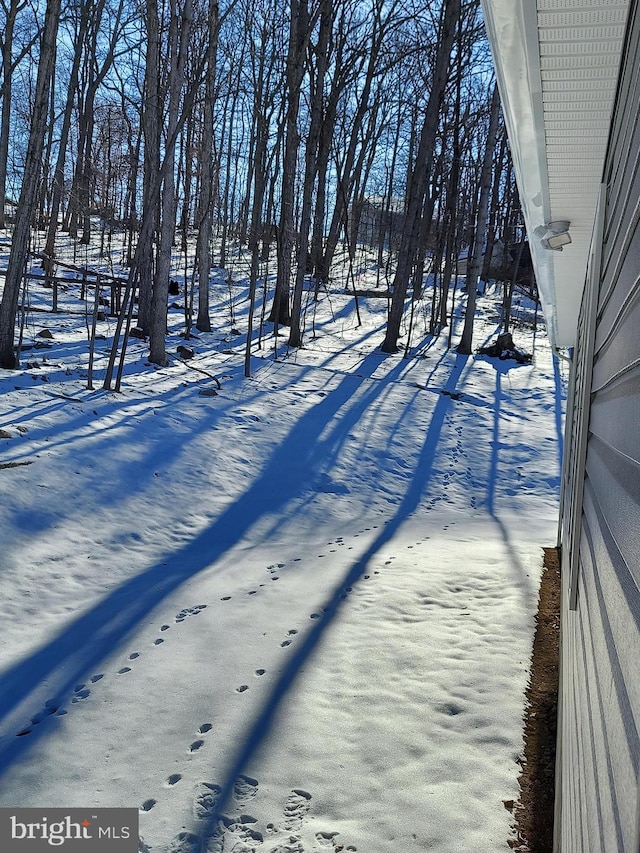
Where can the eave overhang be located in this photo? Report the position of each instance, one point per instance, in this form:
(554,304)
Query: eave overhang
(557,65)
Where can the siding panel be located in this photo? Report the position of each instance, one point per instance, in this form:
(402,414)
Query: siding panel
(615,415)
(614,473)
(616,739)
(600,683)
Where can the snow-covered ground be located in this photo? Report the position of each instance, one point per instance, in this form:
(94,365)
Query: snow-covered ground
(293,616)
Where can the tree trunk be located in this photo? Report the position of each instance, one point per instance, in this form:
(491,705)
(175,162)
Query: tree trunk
(346,177)
(28,193)
(492,221)
(298,37)
(417,182)
(473,265)
(311,165)
(58,175)
(8,66)
(150,120)
(178,45)
(205,204)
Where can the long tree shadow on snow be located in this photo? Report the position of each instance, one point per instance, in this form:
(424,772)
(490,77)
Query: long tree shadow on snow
(519,570)
(80,646)
(259,730)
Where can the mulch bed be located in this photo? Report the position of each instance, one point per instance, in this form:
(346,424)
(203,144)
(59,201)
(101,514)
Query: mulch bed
(533,813)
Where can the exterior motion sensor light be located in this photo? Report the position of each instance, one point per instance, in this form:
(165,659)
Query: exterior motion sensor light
(554,235)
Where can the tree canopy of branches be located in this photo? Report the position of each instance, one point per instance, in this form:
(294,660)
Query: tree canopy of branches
(291,127)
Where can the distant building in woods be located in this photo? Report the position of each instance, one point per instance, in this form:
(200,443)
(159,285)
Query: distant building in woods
(378,222)
(10,208)
(502,262)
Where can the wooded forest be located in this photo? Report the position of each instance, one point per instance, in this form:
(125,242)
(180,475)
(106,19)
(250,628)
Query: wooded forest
(186,127)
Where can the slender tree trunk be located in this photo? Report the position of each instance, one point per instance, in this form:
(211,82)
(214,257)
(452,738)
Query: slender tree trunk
(298,36)
(58,175)
(346,178)
(86,167)
(418,181)
(510,286)
(473,266)
(487,259)
(259,177)
(311,164)
(229,126)
(205,206)
(178,40)
(6,40)
(28,194)
(150,120)
(322,165)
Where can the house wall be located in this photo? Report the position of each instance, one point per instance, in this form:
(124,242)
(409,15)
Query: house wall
(599,732)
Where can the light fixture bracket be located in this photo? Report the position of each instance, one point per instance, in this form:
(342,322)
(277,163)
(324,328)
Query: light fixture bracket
(554,235)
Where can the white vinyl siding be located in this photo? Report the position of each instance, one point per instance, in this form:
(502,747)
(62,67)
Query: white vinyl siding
(599,742)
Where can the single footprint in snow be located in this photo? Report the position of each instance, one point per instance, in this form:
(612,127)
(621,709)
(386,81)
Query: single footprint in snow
(295,809)
(216,842)
(81,692)
(51,706)
(148,805)
(326,839)
(204,728)
(185,842)
(241,830)
(245,789)
(293,845)
(206,799)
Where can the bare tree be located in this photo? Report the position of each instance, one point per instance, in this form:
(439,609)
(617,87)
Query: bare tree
(97,64)
(28,193)
(419,175)
(473,265)
(318,71)
(370,64)
(207,184)
(301,25)
(80,35)
(9,64)
(178,46)
(151,130)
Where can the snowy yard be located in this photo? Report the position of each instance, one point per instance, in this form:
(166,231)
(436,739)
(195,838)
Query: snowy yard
(294,616)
